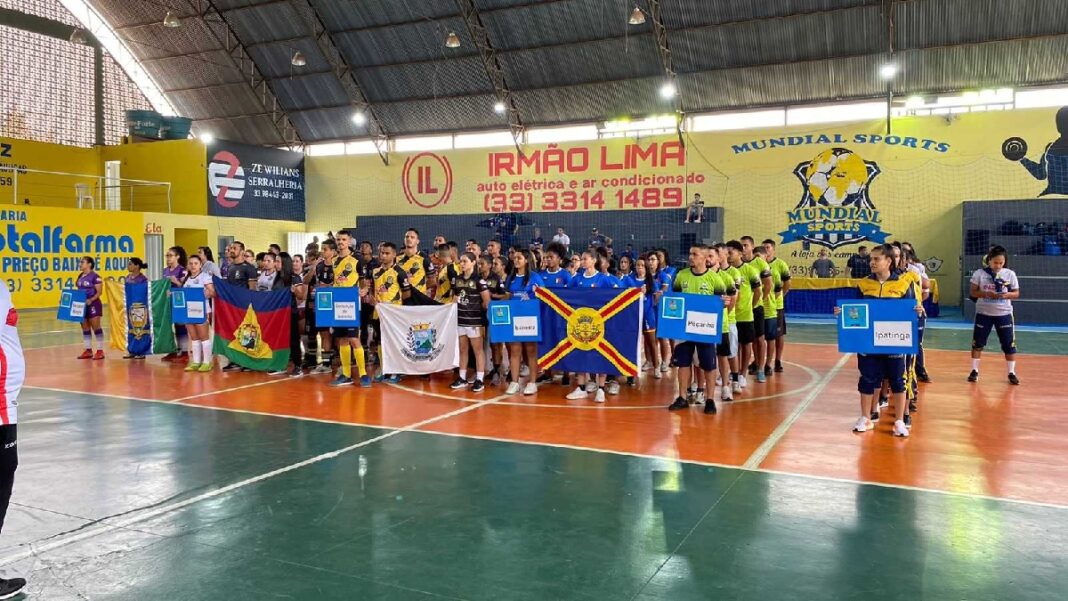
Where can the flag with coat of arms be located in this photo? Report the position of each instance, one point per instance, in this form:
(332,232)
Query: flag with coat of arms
(590,330)
(252,328)
(418,339)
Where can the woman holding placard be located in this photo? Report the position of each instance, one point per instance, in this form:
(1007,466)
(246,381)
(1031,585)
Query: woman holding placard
(994,287)
(200,336)
(520,286)
(90,283)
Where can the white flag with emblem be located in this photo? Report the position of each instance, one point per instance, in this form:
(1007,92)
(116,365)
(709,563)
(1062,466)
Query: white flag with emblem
(418,339)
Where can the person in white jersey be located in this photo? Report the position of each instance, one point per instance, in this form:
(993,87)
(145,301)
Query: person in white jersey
(12,374)
(994,287)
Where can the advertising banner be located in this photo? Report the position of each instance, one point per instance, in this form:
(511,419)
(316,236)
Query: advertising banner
(253,181)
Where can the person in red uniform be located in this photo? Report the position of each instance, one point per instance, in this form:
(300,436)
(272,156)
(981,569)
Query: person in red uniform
(12,373)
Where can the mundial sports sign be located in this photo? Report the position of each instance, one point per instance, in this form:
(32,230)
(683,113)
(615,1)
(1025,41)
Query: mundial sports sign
(253,181)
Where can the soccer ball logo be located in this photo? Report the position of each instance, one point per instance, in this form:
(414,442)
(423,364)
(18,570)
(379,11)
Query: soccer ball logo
(837,178)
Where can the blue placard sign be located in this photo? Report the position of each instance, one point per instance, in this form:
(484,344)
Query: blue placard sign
(337,307)
(881,326)
(71,306)
(188,306)
(515,321)
(693,317)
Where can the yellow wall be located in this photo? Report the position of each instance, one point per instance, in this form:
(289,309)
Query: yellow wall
(41,247)
(916,183)
(181,162)
(45,190)
(257,234)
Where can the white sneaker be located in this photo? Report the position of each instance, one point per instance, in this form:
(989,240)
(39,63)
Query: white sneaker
(591,386)
(613,387)
(530,388)
(725,394)
(524,371)
(664,367)
(900,429)
(577,394)
(736,386)
(599,397)
(320,370)
(863,425)
(513,387)
(646,366)
(699,397)
(657,373)
(742,382)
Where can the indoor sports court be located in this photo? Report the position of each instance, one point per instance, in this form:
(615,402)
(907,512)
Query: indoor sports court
(533,300)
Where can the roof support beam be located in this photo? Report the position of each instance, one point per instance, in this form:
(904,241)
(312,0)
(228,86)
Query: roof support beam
(493,69)
(663,51)
(227,39)
(343,72)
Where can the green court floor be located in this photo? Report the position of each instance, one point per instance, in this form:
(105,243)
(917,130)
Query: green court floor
(412,516)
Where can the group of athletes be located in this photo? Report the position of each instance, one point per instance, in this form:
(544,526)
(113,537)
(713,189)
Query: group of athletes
(751,280)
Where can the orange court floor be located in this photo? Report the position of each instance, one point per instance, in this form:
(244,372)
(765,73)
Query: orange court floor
(989,439)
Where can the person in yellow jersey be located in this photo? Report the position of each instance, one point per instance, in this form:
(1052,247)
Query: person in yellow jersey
(446,272)
(347,340)
(752,256)
(736,276)
(390,286)
(415,264)
(780,280)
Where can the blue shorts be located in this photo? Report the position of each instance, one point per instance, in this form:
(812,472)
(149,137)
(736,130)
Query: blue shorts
(649,319)
(876,368)
(685,350)
(771,328)
(1004,326)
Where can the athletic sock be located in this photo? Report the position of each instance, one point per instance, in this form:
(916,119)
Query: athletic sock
(99,338)
(479,375)
(346,362)
(1012,366)
(463,374)
(197,349)
(975,365)
(205,352)
(87,338)
(326,359)
(361,363)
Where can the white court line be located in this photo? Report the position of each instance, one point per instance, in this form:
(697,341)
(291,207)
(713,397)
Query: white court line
(226,390)
(761,452)
(105,526)
(177,400)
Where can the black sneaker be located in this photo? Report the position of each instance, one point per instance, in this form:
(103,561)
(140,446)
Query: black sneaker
(923,376)
(767,370)
(458,383)
(630,380)
(974,376)
(544,378)
(913,407)
(1014,380)
(884,401)
(908,420)
(752,369)
(477,386)
(232,367)
(875,416)
(680,403)
(778,367)
(10,588)
(566,381)
(710,407)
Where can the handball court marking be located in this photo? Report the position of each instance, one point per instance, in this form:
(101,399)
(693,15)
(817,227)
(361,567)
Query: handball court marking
(104,526)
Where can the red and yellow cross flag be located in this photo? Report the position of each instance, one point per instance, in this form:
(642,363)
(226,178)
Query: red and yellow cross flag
(590,330)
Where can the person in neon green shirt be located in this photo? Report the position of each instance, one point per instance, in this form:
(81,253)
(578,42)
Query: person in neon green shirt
(735,275)
(697,279)
(748,292)
(728,293)
(780,279)
(761,305)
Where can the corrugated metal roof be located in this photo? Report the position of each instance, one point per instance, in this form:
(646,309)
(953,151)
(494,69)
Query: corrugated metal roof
(579,60)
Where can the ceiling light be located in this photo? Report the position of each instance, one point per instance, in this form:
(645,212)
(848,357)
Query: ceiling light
(668,91)
(359,118)
(207,138)
(78,37)
(637,17)
(171,20)
(888,71)
(499,107)
(298,59)
(452,40)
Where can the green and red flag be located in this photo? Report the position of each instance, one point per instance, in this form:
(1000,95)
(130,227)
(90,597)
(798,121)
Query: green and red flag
(252,328)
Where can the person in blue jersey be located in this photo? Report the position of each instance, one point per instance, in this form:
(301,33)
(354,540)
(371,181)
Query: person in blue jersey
(494,271)
(663,278)
(520,286)
(589,276)
(605,265)
(554,276)
(641,278)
